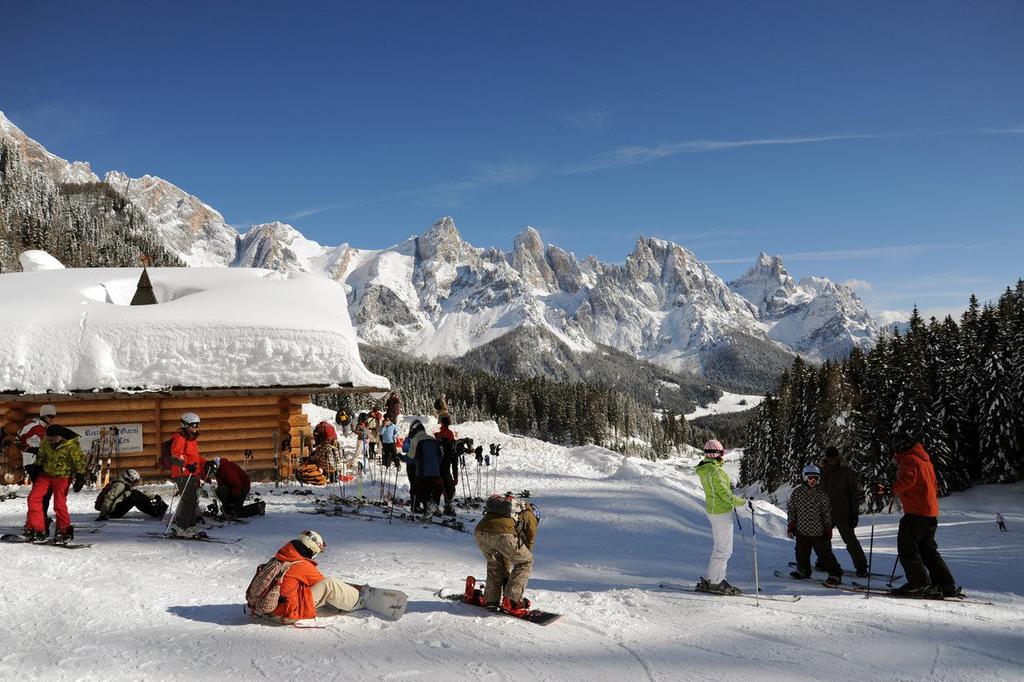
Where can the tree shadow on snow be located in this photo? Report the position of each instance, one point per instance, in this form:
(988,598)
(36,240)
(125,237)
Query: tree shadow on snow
(218,614)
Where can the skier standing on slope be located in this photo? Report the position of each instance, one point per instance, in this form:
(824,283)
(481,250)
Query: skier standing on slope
(120,496)
(232,489)
(505,536)
(59,459)
(927,573)
(425,455)
(415,435)
(388,433)
(186,469)
(304,589)
(449,464)
(30,437)
(839,481)
(1000,521)
(719,503)
(809,518)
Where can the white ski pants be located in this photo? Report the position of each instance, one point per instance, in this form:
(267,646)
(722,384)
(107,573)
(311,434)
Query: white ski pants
(337,593)
(721,531)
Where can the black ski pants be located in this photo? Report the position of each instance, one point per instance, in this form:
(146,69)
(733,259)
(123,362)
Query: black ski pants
(846,532)
(153,506)
(822,548)
(919,554)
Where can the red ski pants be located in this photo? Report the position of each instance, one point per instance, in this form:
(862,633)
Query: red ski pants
(42,485)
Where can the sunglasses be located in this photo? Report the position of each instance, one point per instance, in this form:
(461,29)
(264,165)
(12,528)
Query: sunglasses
(193,425)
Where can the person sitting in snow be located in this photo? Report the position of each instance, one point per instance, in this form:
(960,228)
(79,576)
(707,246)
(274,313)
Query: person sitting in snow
(927,573)
(59,459)
(719,502)
(186,467)
(232,489)
(120,496)
(304,589)
(809,515)
(505,536)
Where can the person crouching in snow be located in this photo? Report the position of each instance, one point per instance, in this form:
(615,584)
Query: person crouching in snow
(59,458)
(809,514)
(120,496)
(505,536)
(304,589)
(719,503)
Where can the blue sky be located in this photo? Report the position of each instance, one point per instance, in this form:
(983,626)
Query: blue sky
(881,143)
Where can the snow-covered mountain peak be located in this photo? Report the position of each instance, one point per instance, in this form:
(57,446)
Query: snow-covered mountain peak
(40,160)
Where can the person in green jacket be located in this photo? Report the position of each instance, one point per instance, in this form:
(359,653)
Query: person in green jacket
(719,503)
(59,458)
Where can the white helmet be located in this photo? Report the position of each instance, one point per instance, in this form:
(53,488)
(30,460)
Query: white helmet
(48,411)
(131,477)
(190,418)
(312,541)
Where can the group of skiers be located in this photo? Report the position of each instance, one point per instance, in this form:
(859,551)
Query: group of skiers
(54,463)
(829,499)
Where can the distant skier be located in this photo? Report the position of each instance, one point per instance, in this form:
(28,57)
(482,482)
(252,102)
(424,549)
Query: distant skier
(232,489)
(120,496)
(839,481)
(304,589)
(30,437)
(449,463)
(416,433)
(809,517)
(374,422)
(393,407)
(719,503)
(186,470)
(59,459)
(1001,521)
(342,418)
(388,434)
(505,536)
(927,573)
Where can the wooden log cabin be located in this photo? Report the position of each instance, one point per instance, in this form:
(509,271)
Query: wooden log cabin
(253,346)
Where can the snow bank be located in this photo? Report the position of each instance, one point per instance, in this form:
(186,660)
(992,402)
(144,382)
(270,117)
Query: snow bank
(212,327)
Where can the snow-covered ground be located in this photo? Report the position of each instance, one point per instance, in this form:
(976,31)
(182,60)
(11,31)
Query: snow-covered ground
(729,402)
(611,530)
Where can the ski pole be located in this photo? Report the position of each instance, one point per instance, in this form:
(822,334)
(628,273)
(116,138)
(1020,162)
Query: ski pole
(753,535)
(871,554)
(743,537)
(892,576)
(183,489)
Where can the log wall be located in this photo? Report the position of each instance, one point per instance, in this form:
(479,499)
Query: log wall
(230,425)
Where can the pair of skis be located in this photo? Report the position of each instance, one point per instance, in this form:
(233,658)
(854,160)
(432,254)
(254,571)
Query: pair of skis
(860,588)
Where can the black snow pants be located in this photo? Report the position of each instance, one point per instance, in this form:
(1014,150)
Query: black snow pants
(846,532)
(919,554)
(822,548)
(153,506)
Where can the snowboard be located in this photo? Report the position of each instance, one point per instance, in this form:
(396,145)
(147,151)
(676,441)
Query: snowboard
(693,589)
(17,539)
(384,602)
(849,574)
(531,616)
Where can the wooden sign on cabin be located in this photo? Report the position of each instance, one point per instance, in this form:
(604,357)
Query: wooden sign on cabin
(243,348)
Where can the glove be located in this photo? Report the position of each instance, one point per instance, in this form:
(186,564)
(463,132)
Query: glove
(853,521)
(790,530)
(881,489)
(191,468)
(79,482)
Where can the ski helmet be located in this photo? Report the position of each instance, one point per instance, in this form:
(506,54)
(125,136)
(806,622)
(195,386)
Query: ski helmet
(312,541)
(714,447)
(811,471)
(48,411)
(131,477)
(190,419)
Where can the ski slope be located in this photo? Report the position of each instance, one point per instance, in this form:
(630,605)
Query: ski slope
(611,530)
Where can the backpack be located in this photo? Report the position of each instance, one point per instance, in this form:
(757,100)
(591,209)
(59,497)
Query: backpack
(99,498)
(165,455)
(264,591)
(504,505)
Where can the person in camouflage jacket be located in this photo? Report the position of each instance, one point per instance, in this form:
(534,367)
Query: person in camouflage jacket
(809,515)
(59,459)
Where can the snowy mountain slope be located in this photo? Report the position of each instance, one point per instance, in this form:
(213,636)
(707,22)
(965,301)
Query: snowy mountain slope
(42,161)
(815,317)
(611,530)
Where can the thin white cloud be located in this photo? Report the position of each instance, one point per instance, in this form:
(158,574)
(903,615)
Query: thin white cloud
(887,317)
(859,284)
(593,119)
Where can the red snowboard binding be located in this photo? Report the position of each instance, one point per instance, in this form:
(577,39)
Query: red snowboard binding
(473,594)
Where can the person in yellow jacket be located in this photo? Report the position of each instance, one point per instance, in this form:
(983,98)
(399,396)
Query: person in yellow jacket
(59,459)
(719,503)
(505,537)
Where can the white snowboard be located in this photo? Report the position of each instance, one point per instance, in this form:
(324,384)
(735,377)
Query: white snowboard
(386,603)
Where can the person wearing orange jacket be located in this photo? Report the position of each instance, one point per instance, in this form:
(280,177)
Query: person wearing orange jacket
(927,573)
(304,588)
(187,468)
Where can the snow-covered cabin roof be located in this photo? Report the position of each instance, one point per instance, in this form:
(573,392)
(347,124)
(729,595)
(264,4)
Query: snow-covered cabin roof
(69,330)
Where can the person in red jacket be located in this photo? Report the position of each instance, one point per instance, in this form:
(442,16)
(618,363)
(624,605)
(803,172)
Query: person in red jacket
(927,573)
(187,467)
(304,588)
(233,488)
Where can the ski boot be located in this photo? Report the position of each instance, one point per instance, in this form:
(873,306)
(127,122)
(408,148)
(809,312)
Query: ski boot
(921,592)
(951,592)
(449,510)
(33,535)
(800,575)
(862,573)
(64,536)
(833,581)
(717,588)
(262,506)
